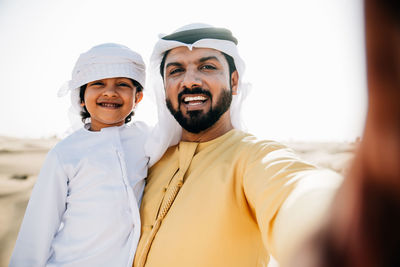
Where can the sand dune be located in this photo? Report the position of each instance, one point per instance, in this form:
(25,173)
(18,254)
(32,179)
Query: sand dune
(21,160)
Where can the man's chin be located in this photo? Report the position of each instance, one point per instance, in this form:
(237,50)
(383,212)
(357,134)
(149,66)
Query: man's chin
(194,115)
(196,121)
(194,125)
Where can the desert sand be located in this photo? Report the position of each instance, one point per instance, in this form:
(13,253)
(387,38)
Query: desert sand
(21,160)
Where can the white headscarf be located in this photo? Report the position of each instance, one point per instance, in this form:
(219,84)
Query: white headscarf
(101,62)
(167,131)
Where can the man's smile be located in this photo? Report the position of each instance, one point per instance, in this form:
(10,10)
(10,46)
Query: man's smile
(194,101)
(191,100)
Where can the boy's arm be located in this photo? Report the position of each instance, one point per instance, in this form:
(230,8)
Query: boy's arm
(43,215)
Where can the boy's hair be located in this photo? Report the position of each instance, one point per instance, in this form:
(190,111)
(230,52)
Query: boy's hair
(85,114)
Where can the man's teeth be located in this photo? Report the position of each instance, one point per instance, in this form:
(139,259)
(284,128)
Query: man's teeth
(194,98)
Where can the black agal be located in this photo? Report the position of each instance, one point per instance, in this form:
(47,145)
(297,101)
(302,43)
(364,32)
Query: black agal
(191,36)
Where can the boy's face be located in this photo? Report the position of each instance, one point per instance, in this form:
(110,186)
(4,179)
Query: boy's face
(109,101)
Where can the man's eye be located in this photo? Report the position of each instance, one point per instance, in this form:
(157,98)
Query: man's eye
(174,71)
(208,67)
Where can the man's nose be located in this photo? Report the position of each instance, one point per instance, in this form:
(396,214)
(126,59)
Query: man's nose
(191,79)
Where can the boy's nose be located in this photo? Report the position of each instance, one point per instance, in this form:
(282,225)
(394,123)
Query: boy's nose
(110,91)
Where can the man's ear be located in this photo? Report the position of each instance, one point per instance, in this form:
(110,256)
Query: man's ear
(138,97)
(234,82)
(82,104)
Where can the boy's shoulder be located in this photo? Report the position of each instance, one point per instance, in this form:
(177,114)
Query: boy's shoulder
(139,127)
(82,137)
(70,140)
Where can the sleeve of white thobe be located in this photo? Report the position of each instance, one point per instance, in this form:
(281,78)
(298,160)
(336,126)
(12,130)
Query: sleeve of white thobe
(43,215)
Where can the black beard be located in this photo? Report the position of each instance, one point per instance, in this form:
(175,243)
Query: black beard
(197,120)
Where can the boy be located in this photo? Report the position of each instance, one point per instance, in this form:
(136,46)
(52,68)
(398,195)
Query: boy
(84,208)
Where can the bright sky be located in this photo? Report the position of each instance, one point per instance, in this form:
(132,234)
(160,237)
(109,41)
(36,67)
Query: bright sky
(305,59)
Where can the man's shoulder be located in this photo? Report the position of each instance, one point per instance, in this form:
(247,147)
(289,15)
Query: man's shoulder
(252,143)
(253,150)
(167,159)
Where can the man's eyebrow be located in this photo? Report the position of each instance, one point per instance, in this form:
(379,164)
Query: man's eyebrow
(203,59)
(176,64)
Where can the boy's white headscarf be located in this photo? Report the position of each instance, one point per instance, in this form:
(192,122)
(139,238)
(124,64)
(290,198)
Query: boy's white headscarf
(101,62)
(167,131)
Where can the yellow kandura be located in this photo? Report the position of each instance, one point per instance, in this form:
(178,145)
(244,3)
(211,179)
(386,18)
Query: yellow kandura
(229,202)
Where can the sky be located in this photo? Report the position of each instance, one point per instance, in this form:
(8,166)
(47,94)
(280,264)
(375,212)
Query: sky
(304,59)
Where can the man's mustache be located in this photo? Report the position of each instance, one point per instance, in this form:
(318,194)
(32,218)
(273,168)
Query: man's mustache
(195,90)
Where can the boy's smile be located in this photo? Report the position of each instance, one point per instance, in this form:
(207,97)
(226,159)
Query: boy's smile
(110,101)
(112,104)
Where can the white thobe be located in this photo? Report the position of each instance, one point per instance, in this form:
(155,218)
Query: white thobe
(84,207)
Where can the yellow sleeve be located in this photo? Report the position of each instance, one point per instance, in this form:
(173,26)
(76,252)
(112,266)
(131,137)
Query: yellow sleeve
(289,198)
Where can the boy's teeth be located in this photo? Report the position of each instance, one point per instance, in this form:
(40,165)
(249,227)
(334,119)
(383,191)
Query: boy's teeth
(109,105)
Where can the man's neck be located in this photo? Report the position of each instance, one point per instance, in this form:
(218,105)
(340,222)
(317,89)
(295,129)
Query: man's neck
(221,127)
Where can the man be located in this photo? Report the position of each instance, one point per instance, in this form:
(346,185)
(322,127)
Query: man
(218,196)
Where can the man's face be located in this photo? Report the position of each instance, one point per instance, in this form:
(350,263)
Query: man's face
(197,87)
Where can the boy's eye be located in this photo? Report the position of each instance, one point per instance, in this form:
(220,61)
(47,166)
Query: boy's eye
(96,83)
(124,84)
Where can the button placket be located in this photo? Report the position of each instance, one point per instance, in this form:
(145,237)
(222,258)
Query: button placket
(131,211)
(186,154)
